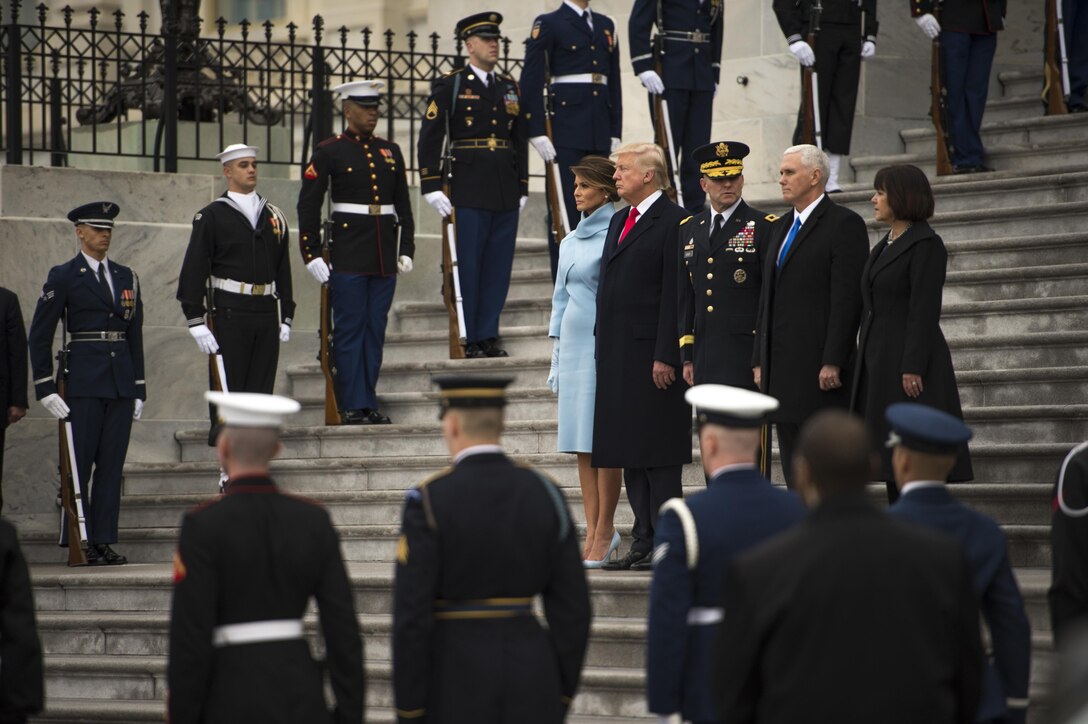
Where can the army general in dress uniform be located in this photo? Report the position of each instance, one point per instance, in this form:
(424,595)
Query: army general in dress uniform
(575,52)
(696,538)
(479,541)
(489,178)
(101,304)
(237,271)
(371,214)
(246,566)
(691,45)
(722,251)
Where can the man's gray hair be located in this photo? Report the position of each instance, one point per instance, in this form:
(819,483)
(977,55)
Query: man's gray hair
(811,157)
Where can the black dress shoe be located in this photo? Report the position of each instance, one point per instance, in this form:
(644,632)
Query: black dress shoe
(629,561)
(474,351)
(491,348)
(354,417)
(375,417)
(94,558)
(103,555)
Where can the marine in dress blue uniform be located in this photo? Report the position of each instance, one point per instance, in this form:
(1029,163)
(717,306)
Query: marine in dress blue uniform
(577,52)
(373,237)
(696,539)
(926,443)
(488,178)
(102,304)
(722,251)
(691,66)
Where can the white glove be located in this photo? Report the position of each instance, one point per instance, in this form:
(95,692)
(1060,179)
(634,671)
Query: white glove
(803,53)
(868,49)
(56,406)
(553,373)
(204,339)
(616,143)
(669,719)
(929,25)
(404,264)
(319,270)
(521,202)
(440,202)
(138,410)
(544,147)
(651,81)
(285,332)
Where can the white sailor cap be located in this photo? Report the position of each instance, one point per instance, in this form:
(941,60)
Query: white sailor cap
(363,92)
(730,406)
(235,151)
(252,409)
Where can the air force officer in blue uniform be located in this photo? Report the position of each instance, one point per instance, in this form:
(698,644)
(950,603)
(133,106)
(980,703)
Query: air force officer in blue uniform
(102,304)
(697,537)
(575,51)
(926,442)
(690,67)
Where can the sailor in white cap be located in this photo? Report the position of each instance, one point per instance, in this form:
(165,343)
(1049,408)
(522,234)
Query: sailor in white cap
(696,538)
(245,569)
(235,282)
(369,239)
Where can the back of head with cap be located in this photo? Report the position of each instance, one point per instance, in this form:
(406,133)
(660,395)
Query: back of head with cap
(834,455)
(477,402)
(729,420)
(250,436)
(926,441)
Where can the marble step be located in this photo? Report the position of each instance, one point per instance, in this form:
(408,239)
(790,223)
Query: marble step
(1013,251)
(1013,107)
(1041,385)
(530,341)
(1014,315)
(1021,83)
(1020,351)
(431,316)
(1027,283)
(1037,130)
(1011,220)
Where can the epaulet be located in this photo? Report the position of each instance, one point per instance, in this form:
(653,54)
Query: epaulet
(330,139)
(440,474)
(504,76)
(687,220)
(771,217)
(453,72)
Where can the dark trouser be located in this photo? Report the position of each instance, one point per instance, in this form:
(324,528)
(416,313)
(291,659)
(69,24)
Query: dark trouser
(250,345)
(690,113)
(1075,17)
(838,69)
(966,60)
(787,438)
(2,431)
(565,158)
(100,429)
(647,491)
(360,310)
(485,256)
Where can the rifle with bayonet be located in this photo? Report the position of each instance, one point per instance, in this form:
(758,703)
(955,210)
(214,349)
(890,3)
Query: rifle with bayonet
(71,489)
(324,356)
(811,132)
(553,186)
(451,279)
(939,107)
(217,373)
(659,114)
(1056,67)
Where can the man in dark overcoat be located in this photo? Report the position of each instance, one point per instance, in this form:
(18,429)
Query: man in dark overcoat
(641,422)
(849,616)
(479,541)
(21,678)
(1068,593)
(12,368)
(247,564)
(810,305)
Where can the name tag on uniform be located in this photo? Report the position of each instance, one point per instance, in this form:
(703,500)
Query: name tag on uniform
(468,97)
(689,251)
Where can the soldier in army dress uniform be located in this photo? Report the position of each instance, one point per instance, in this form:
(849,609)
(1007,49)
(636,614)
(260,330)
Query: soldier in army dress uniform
(102,307)
(722,251)
(371,213)
(239,255)
(478,542)
(488,175)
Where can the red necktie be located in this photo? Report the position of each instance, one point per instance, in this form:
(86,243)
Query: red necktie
(629,224)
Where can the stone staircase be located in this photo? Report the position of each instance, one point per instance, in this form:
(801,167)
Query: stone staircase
(1015,303)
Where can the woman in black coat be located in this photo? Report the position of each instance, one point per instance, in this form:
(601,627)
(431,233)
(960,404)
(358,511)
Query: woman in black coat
(902,354)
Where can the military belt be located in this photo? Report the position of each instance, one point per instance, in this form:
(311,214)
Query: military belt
(96,337)
(594,78)
(703,616)
(255,290)
(688,36)
(364,209)
(483,608)
(489,143)
(256,632)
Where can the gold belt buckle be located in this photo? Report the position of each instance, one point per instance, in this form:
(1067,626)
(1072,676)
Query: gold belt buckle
(598,78)
(492,144)
(375,209)
(698,36)
(258,289)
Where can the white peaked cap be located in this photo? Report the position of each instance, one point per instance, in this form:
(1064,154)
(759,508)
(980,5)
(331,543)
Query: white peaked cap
(252,409)
(360,89)
(730,406)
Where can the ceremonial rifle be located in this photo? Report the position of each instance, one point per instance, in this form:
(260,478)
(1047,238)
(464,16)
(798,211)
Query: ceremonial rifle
(451,279)
(217,373)
(659,115)
(553,186)
(811,133)
(1056,61)
(939,107)
(324,356)
(71,490)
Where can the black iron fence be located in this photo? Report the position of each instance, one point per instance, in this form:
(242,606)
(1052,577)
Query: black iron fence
(94,84)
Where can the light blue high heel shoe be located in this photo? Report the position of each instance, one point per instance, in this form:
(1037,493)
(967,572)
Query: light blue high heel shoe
(613,549)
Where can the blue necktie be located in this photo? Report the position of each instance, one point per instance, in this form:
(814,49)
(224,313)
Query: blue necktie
(789,240)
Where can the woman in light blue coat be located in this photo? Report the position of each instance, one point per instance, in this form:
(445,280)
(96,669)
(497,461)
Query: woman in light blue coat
(573,373)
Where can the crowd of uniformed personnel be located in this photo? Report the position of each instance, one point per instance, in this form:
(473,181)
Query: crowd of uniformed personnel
(758,611)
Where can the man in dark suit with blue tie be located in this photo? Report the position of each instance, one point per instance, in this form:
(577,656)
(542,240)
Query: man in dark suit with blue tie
(926,442)
(102,307)
(575,52)
(697,537)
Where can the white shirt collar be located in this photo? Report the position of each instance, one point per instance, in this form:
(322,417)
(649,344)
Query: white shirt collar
(732,468)
(726,215)
(476,450)
(481,74)
(579,10)
(919,485)
(93,263)
(646,203)
(807,212)
(248,203)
